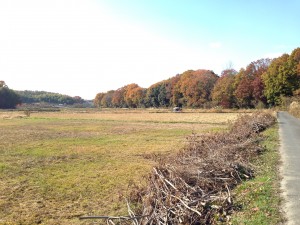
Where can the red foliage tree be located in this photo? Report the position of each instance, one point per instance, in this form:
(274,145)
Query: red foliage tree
(118,98)
(244,91)
(249,84)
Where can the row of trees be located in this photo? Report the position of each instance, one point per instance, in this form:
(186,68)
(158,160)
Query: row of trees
(192,88)
(30,97)
(263,82)
(8,98)
(243,89)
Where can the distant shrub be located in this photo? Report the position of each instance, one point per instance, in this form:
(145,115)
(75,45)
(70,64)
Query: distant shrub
(27,113)
(294,109)
(260,105)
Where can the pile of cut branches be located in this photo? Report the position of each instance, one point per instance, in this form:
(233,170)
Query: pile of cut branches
(194,186)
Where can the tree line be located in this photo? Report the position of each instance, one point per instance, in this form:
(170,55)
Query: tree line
(10,99)
(30,97)
(262,83)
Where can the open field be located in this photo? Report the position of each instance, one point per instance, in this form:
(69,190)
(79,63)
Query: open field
(56,166)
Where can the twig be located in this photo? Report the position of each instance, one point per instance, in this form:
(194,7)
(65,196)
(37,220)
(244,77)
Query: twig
(131,213)
(185,205)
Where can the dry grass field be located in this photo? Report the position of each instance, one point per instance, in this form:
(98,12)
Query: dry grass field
(57,166)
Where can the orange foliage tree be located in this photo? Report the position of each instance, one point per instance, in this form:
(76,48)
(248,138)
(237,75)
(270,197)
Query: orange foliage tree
(118,98)
(98,99)
(223,91)
(134,95)
(194,88)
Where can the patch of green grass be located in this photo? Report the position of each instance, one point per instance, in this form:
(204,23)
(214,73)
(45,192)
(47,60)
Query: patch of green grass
(2,166)
(259,199)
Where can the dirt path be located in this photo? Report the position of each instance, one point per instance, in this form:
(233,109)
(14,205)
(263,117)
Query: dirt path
(289,128)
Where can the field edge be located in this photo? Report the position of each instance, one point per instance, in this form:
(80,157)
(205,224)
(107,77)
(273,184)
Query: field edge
(259,200)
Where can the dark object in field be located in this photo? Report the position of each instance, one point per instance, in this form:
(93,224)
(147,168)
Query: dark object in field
(177,109)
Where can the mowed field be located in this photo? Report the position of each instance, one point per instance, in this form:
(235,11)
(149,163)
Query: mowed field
(57,166)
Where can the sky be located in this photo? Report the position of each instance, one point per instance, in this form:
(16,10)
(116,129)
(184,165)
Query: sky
(83,47)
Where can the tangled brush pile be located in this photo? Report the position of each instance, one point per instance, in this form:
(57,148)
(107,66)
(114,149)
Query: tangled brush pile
(194,186)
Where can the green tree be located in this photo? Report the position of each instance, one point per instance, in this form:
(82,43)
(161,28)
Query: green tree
(47,97)
(294,65)
(8,98)
(152,96)
(282,78)
(164,93)
(106,101)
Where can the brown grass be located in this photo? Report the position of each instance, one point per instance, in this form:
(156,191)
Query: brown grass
(144,116)
(57,166)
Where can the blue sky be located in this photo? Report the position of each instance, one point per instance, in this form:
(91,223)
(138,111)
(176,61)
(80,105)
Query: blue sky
(82,47)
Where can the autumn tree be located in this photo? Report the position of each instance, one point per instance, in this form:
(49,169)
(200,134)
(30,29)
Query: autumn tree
(249,87)
(134,95)
(282,78)
(244,90)
(257,69)
(118,98)
(106,101)
(223,91)
(138,96)
(98,99)
(195,87)
(170,86)
(294,64)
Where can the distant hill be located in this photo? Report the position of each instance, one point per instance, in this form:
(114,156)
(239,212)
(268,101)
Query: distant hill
(30,97)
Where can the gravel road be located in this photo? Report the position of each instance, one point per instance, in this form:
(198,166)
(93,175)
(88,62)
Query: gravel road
(289,129)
